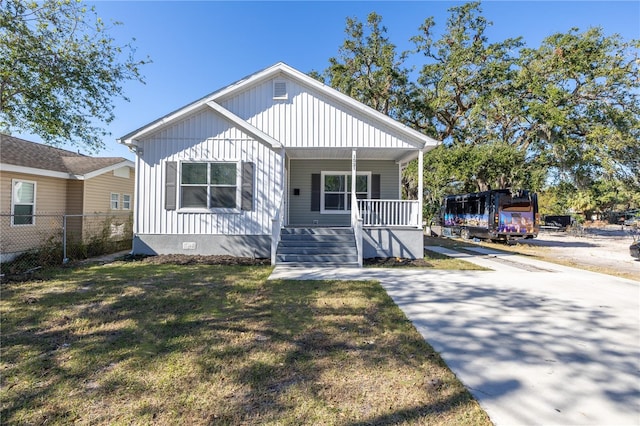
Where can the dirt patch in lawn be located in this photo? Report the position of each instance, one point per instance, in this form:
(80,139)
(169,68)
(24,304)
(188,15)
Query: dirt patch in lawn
(602,248)
(182,259)
(391,262)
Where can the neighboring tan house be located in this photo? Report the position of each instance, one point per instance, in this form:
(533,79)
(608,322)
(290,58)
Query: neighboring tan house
(39,184)
(277,165)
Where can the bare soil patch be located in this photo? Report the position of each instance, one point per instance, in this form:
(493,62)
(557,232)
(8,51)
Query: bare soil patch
(605,248)
(392,262)
(183,259)
(600,248)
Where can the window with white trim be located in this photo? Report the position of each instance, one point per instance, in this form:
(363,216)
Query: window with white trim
(336,190)
(115,201)
(209,185)
(126,202)
(23,202)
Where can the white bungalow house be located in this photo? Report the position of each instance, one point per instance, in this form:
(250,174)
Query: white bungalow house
(277,165)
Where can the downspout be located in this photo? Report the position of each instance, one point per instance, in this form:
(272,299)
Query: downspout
(420,187)
(277,221)
(136,192)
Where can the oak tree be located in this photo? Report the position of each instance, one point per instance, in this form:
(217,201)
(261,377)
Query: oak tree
(60,71)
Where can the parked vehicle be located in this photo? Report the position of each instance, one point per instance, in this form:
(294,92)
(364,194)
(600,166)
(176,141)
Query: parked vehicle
(495,215)
(559,222)
(633,220)
(634,249)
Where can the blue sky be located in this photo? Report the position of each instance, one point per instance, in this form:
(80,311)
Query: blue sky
(200,47)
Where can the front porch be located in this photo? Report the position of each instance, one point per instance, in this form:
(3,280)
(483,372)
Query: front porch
(322,193)
(389,232)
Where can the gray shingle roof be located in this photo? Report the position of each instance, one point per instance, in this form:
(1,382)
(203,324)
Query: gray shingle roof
(20,152)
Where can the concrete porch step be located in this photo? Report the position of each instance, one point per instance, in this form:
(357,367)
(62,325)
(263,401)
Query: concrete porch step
(316,231)
(313,249)
(304,246)
(318,237)
(317,258)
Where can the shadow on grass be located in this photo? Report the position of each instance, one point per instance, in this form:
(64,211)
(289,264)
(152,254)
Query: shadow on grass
(212,344)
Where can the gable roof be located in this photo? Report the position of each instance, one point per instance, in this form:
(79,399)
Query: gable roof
(19,155)
(212,100)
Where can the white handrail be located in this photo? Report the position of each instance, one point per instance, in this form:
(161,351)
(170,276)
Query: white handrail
(390,212)
(356,224)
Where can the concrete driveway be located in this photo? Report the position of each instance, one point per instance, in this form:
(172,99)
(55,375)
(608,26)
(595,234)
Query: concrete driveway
(535,343)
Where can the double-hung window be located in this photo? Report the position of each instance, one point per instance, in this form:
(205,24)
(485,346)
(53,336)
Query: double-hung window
(114,203)
(23,202)
(336,190)
(126,202)
(209,185)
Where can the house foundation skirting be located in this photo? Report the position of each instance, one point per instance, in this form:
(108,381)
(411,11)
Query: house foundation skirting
(406,243)
(255,246)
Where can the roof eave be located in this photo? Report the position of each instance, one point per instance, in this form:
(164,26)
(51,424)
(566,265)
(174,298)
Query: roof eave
(413,155)
(132,137)
(414,137)
(103,170)
(35,171)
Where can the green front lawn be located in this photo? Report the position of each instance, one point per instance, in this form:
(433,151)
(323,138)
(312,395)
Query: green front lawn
(138,343)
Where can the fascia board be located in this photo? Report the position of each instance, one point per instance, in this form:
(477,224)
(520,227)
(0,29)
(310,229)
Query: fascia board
(103,170)
(38,172)
(130,138)
(250,80)
(418,139)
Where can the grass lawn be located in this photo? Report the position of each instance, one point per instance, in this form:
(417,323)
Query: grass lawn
(431,260)
(139,343)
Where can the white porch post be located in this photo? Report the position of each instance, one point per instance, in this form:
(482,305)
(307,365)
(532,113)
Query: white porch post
(356,220)
(284,163)
(354,207)
(420,186)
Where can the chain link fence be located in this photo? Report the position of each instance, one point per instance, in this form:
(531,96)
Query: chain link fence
(28,243)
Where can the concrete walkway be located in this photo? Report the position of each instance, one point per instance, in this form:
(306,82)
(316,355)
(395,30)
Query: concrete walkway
(535,343)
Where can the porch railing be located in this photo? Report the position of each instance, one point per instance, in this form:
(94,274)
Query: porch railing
(356,224)
(390,213)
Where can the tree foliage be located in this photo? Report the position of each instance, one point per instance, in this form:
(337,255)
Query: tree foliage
(562,115)
(579,94)
(368,68)
(461,73)
(60,71)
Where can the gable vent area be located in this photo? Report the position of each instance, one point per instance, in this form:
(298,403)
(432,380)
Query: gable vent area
(280,90)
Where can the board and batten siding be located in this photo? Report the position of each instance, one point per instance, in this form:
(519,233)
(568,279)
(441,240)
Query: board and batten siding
(204,136)
(300,213)
(308,119)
